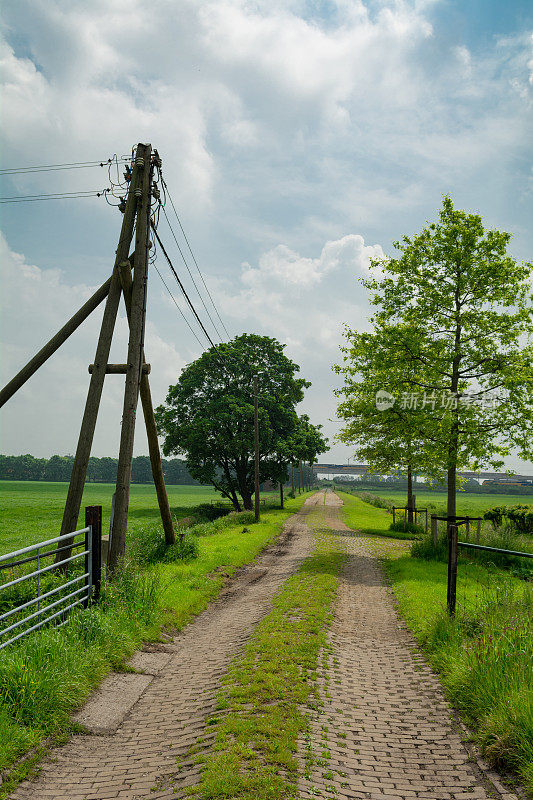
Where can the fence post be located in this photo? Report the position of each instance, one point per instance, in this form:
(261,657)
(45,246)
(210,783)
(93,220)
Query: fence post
(93,518)
(426,522)
(393,515)
(453,535)
(467,529)
(433,529)
(478,531)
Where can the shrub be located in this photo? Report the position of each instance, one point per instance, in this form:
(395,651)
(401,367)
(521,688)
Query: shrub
(407,527)
(520,517)
(375,500)
(148,546)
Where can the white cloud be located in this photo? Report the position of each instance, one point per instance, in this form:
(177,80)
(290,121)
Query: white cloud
(44,416)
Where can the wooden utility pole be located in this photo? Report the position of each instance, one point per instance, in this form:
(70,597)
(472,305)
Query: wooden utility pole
(90,414)
(256,446)
(149,419)
(135,356)
(136,210)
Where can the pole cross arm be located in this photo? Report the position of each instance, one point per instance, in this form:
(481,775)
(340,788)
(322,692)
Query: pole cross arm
(120,369)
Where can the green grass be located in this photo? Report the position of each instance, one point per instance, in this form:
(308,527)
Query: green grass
(45,676)
(367,519)
(254,755)
(484,655)
(468,504)
(32,510)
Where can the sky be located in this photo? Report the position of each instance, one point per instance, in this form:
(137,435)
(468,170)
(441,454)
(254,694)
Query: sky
(299,140)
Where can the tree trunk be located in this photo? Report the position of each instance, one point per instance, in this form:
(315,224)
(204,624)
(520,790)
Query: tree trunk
(247,500)
(452,473)
(235,500)
(281,493)
(410,504)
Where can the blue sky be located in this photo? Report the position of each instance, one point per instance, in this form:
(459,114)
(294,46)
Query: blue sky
(298,139)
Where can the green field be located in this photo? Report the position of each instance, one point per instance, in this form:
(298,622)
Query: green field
(467,504)
(31,511)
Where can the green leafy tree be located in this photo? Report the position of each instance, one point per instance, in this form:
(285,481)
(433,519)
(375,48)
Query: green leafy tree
(386,432)
(209,413)
(461,307)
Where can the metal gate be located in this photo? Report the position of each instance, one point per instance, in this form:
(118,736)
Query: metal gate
(39,592)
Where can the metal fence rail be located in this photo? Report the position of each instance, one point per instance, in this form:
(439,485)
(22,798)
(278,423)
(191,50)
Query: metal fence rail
(83,587)
(453,551)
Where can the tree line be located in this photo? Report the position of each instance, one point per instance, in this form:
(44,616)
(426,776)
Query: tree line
(100,470)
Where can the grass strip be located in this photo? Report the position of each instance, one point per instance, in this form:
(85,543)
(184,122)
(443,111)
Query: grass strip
(484,656)
(47,675)
(367,519)
(260,720)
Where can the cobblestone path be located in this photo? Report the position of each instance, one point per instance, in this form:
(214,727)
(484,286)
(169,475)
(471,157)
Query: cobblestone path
(141,759)
(385,731)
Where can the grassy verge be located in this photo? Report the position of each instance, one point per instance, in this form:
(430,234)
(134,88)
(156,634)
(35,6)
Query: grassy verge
(45,676)
(257,732)
(367,519)
(484,655)
(468,503)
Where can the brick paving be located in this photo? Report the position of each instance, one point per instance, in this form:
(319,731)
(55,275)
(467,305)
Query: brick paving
(385,731)
(148,757)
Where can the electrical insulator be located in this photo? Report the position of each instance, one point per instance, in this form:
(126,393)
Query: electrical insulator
(155,192)
(139,162)
(138,193)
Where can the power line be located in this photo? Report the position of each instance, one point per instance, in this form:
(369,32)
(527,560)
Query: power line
(171,265)
(31,198)
(177,306)
(194,258)
(55,167)
(190,273)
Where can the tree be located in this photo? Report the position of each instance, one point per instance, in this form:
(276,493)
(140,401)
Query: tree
(385,432)
(462,311)
(208,414)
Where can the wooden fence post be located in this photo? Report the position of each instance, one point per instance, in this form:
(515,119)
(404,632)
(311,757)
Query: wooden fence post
(478,531)
(467,529)
(93,518)
(394,515)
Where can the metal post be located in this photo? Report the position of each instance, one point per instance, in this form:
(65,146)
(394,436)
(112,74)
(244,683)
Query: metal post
(453,535)
(256,446)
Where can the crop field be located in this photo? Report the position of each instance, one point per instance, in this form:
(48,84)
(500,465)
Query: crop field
(467,503)
(31,511)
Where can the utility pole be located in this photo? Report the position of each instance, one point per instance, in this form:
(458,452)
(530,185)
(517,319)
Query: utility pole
(85,440)
(256,446)
(256,442)
(135,356)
